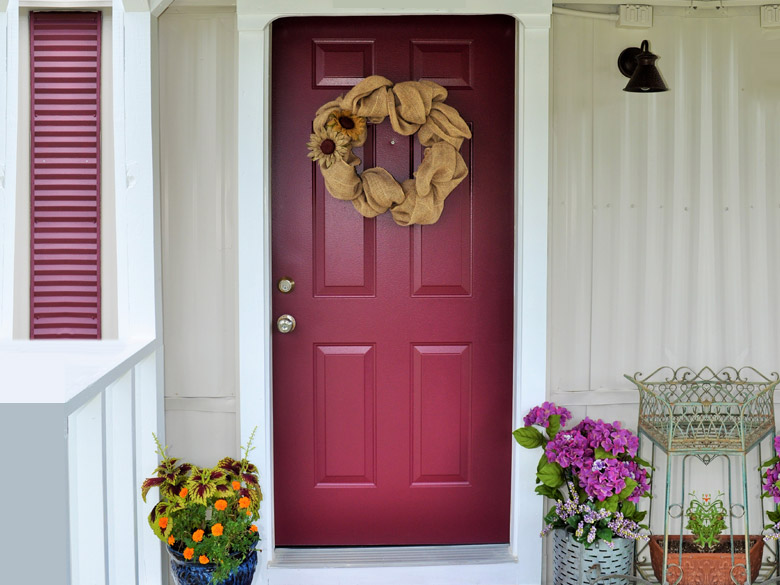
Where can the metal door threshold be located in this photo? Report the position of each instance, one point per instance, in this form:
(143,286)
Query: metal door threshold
(392,556)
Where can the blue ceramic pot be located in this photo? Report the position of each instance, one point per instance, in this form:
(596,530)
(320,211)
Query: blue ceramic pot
(193,573)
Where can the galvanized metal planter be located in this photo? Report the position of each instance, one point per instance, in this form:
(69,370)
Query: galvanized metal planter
(572,562)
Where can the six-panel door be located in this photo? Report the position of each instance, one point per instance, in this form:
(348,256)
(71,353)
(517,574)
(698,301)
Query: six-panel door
(392,396)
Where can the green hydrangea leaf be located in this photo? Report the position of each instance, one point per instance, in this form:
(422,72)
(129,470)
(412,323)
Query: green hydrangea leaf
(628,490)
(528,437)
(771,462)
(641,462)
(604,534)
(628,509)
(551,475)
(611,503)
(550,492)
(602,453)
(554,426)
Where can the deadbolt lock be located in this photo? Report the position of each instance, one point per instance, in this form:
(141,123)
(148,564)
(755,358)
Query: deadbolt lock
(285,285)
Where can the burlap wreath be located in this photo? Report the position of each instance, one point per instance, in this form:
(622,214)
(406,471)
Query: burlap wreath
(413,107)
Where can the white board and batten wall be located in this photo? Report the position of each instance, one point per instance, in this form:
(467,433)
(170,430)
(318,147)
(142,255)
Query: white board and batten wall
(199,216)
(664,208)
(664,211)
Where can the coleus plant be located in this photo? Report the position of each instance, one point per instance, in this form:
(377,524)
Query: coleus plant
(207,514)
(597,466)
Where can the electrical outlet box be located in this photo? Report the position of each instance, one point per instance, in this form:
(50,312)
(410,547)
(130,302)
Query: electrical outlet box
(635,16)
(770,16)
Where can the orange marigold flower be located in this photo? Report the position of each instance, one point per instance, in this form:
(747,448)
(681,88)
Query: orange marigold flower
(236,485)
(171,540)
(162,522)
(220,504)
(253,528)
(243,502)
(197,536)
(188,552)
(203,560)
(216,530)
(183,493)
(248,513)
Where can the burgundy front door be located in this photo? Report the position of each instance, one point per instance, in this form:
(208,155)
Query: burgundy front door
(392,397)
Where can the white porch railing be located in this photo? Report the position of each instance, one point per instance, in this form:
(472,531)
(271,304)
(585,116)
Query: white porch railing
(108,450)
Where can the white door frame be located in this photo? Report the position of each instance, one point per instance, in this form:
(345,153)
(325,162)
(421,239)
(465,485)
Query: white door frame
(530,278)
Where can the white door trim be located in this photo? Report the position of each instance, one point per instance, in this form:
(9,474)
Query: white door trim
(530,279)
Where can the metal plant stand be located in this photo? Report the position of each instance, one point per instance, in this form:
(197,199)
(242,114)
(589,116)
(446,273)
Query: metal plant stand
(705,415)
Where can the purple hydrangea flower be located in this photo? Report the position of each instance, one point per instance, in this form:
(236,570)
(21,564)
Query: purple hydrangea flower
(540,415)
(772,475)
(604,478)
(591,479)
(771,480)
(611,437)
(569,449)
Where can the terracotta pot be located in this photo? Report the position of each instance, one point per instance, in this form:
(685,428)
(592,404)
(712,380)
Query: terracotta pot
(700,568)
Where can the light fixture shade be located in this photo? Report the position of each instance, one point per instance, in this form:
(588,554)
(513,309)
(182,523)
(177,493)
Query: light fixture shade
(639,65)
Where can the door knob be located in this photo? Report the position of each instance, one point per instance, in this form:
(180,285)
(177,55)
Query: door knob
(285,323)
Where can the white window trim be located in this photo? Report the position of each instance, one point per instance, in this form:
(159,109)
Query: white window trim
(530,279)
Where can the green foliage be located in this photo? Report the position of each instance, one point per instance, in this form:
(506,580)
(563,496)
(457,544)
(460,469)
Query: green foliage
(207,512)
(546,490)
(551,474)
(628,490)
(706,520)
(770,462)
(554,426)
(611,503)
(642,462)
(529,437)
(602,453)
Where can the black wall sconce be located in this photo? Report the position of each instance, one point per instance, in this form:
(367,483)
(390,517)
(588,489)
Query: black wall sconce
(639,65)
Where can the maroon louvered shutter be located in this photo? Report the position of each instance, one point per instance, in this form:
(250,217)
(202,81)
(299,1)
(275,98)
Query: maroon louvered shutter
(65,174)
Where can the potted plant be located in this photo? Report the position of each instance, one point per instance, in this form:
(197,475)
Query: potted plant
(706,555)
(593,473)
(206,516)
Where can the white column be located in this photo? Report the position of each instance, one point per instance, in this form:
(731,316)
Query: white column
(9,94)
(136,206)
(254,262)
(532,135)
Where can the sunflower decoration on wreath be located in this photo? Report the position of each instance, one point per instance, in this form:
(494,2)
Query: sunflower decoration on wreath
(414,107)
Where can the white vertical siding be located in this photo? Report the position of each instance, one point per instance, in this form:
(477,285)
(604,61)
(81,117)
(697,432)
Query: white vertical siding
(110,450)
(87,506)
(665,208)
(121,483)
(664,213)
(198,104)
